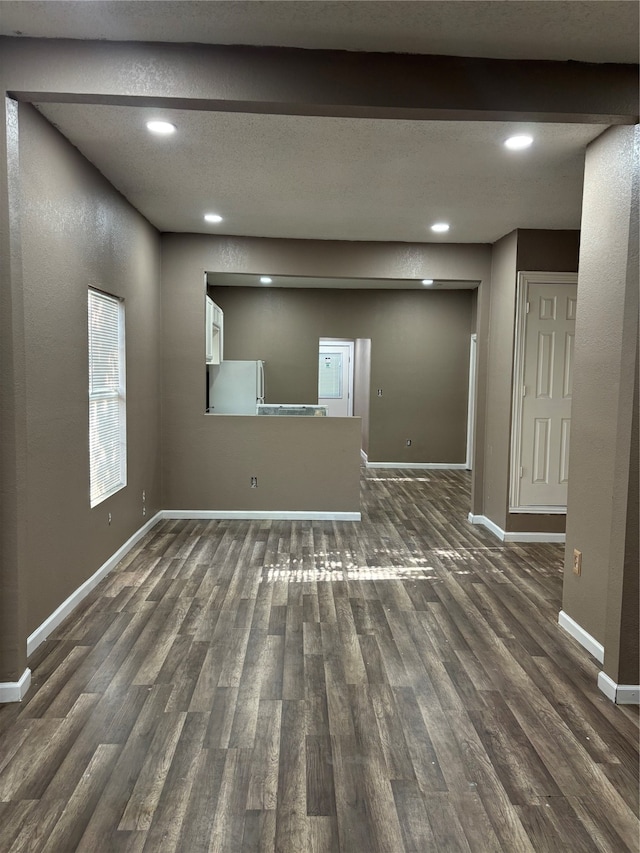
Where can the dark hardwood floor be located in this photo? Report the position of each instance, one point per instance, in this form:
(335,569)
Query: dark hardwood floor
(399,684)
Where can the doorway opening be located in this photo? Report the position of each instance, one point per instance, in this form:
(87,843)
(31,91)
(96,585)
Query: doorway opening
(335,376)
(344,379)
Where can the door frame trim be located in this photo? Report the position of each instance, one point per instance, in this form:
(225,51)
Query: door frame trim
(525,278)
(471,403)
(349,342)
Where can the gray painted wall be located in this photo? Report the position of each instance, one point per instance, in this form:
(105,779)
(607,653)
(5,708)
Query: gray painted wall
(622,655)
(548,251)
(78,231)
(499,373)
(419,357)
(189,437)
(258,80)
(362,387)
(602,409)
(13,418)
(289,81)
(301,463)
(522,250)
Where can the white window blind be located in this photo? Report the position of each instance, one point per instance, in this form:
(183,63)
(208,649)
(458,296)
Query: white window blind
(107,402)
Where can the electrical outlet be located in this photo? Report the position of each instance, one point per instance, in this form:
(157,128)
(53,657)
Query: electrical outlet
(379,392)
(577,562)
(254,482)
(144,504)
(408,442)
(109,519)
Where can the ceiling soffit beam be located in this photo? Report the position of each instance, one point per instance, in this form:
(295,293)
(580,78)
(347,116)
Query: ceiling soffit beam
(291,81)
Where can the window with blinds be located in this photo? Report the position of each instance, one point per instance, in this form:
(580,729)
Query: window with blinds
(107,402)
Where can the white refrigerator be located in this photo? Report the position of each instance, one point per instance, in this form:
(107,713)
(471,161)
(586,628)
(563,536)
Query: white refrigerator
(235,387)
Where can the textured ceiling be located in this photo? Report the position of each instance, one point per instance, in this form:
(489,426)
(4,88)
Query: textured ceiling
(227,279)
(333,178)
(555,29)
(340,178)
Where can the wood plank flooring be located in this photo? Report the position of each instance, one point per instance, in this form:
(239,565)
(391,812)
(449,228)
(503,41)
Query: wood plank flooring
(398,685)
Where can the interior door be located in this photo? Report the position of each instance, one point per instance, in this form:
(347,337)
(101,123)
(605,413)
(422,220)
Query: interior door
(547,375)
(335,377)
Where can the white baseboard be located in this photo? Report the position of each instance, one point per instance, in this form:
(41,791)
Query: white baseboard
(14,691)
(427,466)
(621,694)
(60,614)
(607,685)
(535,536)
(249,515)
(578,633)
(364,456)
(515,536)
(486,522)
(539,510)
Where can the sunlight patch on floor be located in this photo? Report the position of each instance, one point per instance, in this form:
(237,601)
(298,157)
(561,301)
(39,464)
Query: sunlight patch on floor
(334,571)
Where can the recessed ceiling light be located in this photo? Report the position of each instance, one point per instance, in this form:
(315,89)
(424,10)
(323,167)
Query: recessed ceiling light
(427,281)
(264,279)
(518,143)
(440,227)
(212,217)
(162,127)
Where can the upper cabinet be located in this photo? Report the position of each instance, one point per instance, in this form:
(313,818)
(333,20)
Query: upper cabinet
(214,332)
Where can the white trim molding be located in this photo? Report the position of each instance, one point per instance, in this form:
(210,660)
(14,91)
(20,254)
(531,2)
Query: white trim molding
(621,694)
(66,608)
(350,344)
(364,456)
(60,614)
(486,522)
(250,515)
(515,536)
(578,633)
(535,536)
(471,403)
(539,510)
(14,691)
(427,466)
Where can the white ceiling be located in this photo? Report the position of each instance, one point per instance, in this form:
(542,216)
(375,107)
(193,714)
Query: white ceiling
(552,29)
(340,178)
(333,178)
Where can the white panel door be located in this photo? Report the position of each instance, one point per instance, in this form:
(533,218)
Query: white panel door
(546,401)
(335,378)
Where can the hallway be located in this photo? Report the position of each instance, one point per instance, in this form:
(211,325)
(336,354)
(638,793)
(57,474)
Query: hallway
(399,684)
